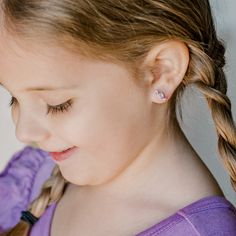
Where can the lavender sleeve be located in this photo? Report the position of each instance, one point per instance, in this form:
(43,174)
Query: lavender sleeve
(209,216)
(20,183)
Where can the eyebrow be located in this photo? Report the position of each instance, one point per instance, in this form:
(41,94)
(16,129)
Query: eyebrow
(44,88)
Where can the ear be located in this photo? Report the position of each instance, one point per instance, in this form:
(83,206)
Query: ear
(164,68)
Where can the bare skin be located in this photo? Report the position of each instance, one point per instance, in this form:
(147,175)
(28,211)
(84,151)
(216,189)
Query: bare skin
(132,170)
(151,201)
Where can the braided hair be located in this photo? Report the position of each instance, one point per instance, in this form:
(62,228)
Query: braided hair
(125,31)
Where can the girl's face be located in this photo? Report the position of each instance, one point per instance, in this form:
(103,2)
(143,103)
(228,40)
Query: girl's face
(109,117)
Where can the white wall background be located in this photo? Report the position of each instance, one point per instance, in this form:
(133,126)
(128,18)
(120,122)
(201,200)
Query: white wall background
(198,124)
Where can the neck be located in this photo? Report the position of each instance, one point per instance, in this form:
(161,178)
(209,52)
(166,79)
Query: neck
(153,166)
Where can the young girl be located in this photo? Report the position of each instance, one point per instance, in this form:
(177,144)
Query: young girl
(96,85)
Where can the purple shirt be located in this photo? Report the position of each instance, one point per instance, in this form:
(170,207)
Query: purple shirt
(25,173)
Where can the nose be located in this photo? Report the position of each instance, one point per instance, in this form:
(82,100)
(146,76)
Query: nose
(30,128)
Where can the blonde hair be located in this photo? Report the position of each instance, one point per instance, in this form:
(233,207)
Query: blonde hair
(124,31)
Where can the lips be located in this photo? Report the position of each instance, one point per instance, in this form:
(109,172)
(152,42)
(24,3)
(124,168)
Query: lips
(62,151)
(59,156)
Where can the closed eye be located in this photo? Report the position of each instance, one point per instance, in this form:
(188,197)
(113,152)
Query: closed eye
(64,107)
(12,102)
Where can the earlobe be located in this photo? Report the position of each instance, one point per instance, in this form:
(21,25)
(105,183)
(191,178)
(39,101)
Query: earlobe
(166,65)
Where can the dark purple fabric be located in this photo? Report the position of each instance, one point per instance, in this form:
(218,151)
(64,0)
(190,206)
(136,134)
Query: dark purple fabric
(23,177)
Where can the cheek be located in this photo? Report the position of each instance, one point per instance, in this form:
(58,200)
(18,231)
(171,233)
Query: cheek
(109,135)
(106,131)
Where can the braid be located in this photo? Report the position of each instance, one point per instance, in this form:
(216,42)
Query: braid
(51,192)
(131,28)
(206,72)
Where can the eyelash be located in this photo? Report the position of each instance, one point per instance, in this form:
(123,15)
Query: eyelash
(64,107)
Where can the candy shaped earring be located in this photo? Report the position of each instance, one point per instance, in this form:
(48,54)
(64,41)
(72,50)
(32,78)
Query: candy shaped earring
(159,94)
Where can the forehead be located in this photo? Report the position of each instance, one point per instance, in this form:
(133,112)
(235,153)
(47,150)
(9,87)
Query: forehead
(33,54)
(31,64)
(21,62)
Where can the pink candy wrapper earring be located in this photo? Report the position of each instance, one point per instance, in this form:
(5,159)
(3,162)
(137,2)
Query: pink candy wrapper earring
(159,94)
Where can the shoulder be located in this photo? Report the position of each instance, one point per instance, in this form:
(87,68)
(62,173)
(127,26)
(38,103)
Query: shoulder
(213,215)
(20,182)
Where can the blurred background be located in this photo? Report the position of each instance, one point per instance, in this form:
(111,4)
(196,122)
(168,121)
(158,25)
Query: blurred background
(197,121)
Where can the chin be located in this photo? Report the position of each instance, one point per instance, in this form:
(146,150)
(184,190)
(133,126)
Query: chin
(77,180)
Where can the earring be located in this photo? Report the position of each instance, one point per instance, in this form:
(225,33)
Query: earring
(159,94)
